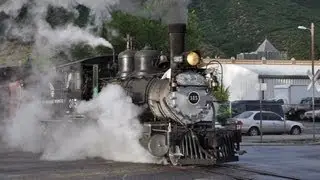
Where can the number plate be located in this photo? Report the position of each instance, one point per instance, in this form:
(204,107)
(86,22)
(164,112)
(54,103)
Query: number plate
(193,97)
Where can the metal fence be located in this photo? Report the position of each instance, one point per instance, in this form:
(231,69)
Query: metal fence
(273,118)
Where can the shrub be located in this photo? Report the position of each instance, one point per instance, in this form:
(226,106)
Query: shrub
(222,96)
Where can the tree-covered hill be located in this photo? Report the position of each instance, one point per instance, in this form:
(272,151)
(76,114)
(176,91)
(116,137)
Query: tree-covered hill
(234,26)
(219,28)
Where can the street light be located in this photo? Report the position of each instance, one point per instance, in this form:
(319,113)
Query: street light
(302,27)
(311,29)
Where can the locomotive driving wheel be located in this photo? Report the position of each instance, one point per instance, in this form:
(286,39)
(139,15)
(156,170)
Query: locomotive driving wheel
(157,145)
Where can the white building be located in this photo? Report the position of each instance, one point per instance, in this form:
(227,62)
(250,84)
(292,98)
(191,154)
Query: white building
(243,78)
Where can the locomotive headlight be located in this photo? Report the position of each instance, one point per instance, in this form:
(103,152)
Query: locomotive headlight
(193,58)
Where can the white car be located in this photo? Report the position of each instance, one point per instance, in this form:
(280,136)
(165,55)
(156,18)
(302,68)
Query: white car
(308,114)
(271,123)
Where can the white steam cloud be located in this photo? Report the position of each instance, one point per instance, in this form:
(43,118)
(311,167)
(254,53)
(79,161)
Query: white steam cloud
(115,136)
(50,41)
(47,40)
(112,131)
(168,11)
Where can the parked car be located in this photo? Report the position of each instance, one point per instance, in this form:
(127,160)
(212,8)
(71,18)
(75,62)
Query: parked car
(308,115)
(271,123)
(298,111)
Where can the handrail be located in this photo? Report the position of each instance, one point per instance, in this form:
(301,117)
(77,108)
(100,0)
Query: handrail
(261,62)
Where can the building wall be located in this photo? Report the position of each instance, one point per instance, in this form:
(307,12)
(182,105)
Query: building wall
(241,82)
(242,79)
(271,82)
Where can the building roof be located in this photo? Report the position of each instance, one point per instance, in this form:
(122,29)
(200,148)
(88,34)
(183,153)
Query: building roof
(266,46)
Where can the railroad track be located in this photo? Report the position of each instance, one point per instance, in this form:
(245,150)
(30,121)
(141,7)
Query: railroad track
(225,174)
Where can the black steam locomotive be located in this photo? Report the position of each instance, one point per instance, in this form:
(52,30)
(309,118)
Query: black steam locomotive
(179,117)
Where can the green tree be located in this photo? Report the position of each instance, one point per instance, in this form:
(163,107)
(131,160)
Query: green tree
(233,26)
(194,35)
(144,31)
(147,31)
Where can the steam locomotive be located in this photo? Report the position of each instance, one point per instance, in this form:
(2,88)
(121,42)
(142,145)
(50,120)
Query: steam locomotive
(176,92)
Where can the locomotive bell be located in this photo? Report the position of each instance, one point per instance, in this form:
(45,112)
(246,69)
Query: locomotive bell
(163,59)
(163,62)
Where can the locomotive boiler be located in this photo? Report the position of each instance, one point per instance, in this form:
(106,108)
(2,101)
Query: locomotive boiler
(179,115)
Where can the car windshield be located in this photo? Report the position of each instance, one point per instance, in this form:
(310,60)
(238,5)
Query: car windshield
(244,114)
(305,101)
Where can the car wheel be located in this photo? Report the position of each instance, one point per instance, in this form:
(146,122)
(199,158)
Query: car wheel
(253,131)
(295,130)
(300,115)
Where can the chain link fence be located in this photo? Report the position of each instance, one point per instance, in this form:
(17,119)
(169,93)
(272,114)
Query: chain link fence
(274,118)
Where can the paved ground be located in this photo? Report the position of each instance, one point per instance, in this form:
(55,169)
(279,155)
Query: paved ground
(18,165)
(309,127)
(293,161)
(298,161)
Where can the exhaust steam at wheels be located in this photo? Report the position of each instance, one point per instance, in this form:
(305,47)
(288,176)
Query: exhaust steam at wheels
(113,135)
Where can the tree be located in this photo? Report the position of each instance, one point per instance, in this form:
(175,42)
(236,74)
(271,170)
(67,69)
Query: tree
(147,31)
(234,26)
(144,31)
(194,36)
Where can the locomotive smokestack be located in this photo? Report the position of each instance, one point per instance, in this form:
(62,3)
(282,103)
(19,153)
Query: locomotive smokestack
(177,39)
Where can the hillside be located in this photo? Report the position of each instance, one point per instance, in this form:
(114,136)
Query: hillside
(228,27)
(234,26)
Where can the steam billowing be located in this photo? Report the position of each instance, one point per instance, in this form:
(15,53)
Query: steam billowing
(168,11)
(35,28)
(116,131)
(49,41)
(110,134)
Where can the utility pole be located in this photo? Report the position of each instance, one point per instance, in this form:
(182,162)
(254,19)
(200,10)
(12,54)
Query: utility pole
(313,78)
(311,29)
(260,114)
